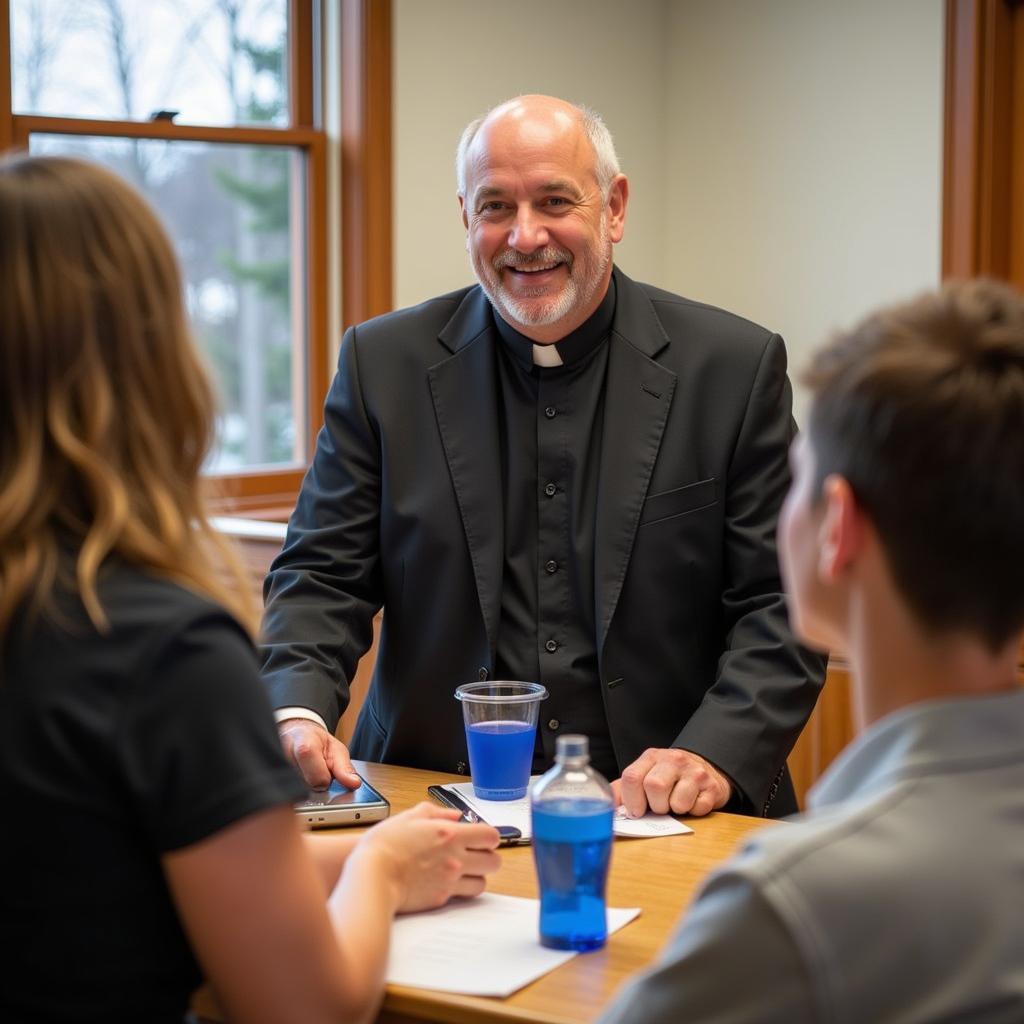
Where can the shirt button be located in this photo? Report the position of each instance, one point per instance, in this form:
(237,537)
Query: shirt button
(552,646)
(550,490)
(551,412)
(481,673)
(551,566)
(554,724)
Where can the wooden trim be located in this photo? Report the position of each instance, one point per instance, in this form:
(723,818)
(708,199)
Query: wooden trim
(960,158)
(253,490)
(318,343)
(1017,155)
(994,195)
(976,156)
(301,291)
(366,273)
(6,73)
(25,125)
(302,63)
(279,513)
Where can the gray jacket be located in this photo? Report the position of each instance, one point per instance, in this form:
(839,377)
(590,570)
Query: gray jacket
(899,897)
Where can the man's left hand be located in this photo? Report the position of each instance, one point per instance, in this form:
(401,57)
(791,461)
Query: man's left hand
(671,781)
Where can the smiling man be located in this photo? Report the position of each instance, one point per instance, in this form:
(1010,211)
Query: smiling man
(542,208)
(557,475)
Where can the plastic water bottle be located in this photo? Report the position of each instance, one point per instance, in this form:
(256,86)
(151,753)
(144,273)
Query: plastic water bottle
(572,845)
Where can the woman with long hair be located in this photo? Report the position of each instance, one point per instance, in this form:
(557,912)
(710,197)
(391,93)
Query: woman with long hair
(150,836)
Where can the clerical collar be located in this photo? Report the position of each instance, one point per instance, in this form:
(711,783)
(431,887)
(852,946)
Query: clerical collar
(569,349)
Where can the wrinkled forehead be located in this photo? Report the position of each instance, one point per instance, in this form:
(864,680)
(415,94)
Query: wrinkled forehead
(521,142)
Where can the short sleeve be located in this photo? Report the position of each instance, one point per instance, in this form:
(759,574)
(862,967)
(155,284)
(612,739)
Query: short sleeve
(730,961)
(197,742)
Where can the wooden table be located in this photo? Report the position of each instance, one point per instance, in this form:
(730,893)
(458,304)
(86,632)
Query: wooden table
(657,875)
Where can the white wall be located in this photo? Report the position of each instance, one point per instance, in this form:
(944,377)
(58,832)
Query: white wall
(454,59)
(784,155)
(804,159)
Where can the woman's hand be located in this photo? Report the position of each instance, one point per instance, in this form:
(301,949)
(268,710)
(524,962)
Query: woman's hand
(430,855)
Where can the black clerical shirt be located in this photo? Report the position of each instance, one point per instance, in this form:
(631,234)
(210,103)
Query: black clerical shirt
(550,421)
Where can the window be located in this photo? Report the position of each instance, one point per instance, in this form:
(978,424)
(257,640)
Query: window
(207,106)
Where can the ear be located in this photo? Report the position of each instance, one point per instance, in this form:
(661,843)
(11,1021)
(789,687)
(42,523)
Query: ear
(618,197)
(841,537)
(462,210)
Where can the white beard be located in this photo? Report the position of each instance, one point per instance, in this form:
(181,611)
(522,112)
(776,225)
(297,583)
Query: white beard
(585,275)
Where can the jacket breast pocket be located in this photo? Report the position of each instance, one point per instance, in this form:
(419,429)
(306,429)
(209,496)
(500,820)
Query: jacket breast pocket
(679,501)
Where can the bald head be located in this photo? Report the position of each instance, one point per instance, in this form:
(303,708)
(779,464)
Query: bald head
(539,118)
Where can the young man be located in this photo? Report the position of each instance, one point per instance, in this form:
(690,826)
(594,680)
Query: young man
(900,896)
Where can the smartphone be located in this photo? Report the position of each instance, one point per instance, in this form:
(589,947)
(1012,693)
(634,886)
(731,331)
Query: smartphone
(329,808)
(508,835)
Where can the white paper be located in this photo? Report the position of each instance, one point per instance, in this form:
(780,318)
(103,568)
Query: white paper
(517,813)
(648,826)
(488,946)
(497,812)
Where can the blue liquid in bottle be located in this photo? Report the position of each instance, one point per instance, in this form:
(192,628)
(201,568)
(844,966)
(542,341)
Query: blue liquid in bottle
(572,808)
(572,849)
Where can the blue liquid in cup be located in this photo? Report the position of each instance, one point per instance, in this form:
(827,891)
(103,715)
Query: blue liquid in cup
(572,844)
(500,756)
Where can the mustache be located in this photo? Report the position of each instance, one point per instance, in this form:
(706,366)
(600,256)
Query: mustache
(520,260)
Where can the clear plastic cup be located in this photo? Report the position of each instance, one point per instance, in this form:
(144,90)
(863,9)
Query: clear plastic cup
(501,725)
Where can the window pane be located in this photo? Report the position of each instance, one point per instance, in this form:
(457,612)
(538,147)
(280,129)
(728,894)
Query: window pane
(231,213)
(218,62)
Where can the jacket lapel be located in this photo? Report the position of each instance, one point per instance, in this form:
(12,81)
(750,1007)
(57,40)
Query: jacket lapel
(464,391)
(638,396)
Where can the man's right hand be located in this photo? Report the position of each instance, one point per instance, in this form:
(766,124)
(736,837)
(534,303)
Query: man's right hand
(317,754)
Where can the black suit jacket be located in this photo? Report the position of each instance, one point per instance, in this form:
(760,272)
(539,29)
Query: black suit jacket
(402,507)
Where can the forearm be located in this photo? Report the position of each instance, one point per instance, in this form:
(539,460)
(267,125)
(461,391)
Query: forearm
(329,853)
(362,907)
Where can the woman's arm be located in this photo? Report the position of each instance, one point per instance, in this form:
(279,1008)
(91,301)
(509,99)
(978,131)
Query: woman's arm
(251,900)
(329,853)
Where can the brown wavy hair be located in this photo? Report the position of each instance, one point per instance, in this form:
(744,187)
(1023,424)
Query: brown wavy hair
(106,410)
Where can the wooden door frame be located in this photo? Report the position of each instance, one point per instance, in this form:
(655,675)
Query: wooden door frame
(983,199)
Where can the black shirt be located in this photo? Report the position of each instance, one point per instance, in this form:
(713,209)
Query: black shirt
(550,421)
(115,749)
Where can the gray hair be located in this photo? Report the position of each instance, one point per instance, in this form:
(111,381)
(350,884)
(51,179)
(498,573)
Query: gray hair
(606,161)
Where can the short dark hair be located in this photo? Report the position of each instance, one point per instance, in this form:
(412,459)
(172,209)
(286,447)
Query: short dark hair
(921,408)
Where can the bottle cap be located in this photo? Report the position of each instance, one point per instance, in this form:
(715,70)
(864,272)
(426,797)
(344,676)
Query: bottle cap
(572,747)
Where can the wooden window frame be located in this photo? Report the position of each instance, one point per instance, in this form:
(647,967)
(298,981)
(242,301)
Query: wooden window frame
(366,162)
(365,206)
(983,146)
